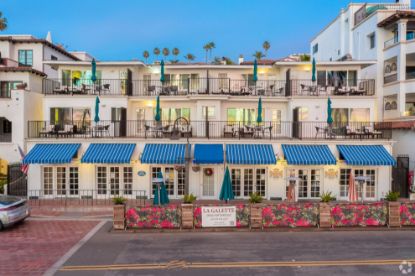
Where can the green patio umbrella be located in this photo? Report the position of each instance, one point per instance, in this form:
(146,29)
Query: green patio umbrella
(94,70)
(226,192)
(313,70)
(259,115)
(329,112)
(97,102)
(160,191)
(157,117)
(162,77)
(255,75)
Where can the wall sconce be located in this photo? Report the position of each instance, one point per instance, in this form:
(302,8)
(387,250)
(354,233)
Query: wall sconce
(331,173)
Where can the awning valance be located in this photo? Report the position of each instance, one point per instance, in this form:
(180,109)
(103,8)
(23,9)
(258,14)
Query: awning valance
(51,154)
(308,155)
(164,154)
(250,154)
(208,154)
(108,153)
(366,155)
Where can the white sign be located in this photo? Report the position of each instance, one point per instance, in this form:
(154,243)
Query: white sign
(219,216)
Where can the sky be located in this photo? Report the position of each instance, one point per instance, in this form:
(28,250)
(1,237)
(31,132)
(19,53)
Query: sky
(123,29)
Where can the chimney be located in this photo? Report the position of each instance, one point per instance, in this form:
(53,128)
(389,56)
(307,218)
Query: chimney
(241,59)
(49,37)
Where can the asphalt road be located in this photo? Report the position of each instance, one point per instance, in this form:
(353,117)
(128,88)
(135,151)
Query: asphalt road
(244,253)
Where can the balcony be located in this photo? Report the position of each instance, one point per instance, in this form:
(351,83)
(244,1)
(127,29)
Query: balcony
(207,86)
(354,87)
(210,130)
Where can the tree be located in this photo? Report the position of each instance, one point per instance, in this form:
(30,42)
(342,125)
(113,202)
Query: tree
(266,45)
(189,57)
(305,57)
(175,51)
(156,51)
(258,55)
(146,55)
(211,47)
(206,47)
(166,52)
(3,22)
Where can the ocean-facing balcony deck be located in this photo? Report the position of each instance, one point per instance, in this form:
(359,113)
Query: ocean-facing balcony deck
(208,86)
(209,130)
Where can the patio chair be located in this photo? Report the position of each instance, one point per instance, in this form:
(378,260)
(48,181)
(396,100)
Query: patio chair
(167,131)
(46,131)
(228,131)
(247,131)
(174,90)
(305,89)
(186,130)
(66,131)
(151,90)
(371,132)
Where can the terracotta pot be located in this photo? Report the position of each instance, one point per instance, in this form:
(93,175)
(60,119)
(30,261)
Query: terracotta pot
(325,217)
(119,217)
(256,215)
(187,216)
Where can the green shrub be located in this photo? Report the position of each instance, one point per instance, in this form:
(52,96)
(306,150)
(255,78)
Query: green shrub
(189,199)
(255,198)
(119,200)
(392,196)
(327,197)
(3,182)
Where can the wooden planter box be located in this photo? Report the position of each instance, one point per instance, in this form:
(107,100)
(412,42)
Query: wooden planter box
(119,217)
(394,215)
(187,216)
(256,216)
(325,217)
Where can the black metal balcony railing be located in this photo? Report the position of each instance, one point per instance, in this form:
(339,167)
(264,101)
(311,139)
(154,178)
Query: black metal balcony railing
(207,86)
(208,130)
(350,87)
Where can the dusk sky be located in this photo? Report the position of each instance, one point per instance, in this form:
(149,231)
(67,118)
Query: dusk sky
(122,30)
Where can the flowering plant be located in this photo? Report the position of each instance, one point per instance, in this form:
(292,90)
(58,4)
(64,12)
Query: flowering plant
(407,211)
(292,215)
(242,216)
(159,217)
(355,214)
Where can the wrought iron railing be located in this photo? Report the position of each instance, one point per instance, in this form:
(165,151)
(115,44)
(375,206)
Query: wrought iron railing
(208,129)
(351,87)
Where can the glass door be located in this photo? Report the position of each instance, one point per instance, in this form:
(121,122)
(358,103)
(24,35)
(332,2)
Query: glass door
(208,189)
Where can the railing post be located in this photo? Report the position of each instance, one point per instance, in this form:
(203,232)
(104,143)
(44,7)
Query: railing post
(188,85)
(239,130)
(229,87)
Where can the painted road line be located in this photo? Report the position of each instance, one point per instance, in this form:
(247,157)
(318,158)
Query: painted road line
(196,265)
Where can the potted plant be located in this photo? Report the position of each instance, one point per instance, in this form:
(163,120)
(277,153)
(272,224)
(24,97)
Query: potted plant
(21,86)
(324,209)
(394,215)
(187,211)
(119,212)
(255,200)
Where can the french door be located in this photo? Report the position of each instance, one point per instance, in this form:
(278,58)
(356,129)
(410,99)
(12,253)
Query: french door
(208,185)
(114,180)
(246,181)
(309,183)
(174,180)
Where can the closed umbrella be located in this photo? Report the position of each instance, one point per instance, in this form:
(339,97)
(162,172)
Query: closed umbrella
(259,115)
(255,75)
(352,188)
(157,117)
(162,77)
(93,70)
(313,70)
(97,102)
(329,112)
(226,192)
(160,191)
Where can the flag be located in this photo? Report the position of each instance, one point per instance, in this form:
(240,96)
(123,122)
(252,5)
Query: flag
(24,167)
(352,188)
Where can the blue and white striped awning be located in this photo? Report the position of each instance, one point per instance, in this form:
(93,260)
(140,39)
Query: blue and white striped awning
(51,154)
(108,154)
(250,154)
(208,154)
(308,155)
(366,155)
(164,154)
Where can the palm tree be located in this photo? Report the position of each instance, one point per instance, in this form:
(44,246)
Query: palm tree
(156,51)
(206,47)
(189,57)
(266,45)
(146,55)
(166,52)
(175,51)
(211,47)
(258,55)
(3,22)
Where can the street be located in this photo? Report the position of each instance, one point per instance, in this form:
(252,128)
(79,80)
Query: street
(248,253)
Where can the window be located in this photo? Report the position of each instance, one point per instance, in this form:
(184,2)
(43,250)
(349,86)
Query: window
(309,186)
(208,185)
(102,180)
(303,113)
(210,110)
(6,87)
(223,81)
(60,181)
(321,78)
(344,116)
(52,57)
(315,48)
(174,180)
(372,40)
(114,179)
(243,115)
(248,181)
(62,116)
(77,77)
(47,180)
(25,57)
(276,121)
(370,191)
(5,130)
(128,180)
(171,114)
